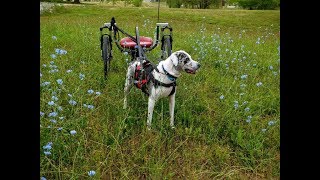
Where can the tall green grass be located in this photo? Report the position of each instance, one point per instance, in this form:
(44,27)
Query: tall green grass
(216,137)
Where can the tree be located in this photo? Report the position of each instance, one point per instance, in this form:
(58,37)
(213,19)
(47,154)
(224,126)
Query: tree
(259,4)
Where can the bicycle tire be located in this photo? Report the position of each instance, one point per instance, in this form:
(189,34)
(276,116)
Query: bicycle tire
(166,48)
(106,54)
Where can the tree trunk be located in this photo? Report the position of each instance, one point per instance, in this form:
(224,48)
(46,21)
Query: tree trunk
(76,1)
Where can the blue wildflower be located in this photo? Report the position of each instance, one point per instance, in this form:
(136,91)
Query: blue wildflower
(69,71)
(47,146)
(90,91)
(270,67)
(85,105)
(40,74)
(59,81)
(245,102)
(81,76)
(53,56)
(54,37)
(50,103)
(60,108)
(51,62)
(53,114)
(247,109)
(125,53)
(236,104)
(45,83)
(243,85)
(263,130)
(53,120)
(259,84)
(41,113)
(222,97)
(244,76)
(60,128)
(98,93)
(61,118)
(91,173)
(90,106)
(54,98)
(43,178)
(44,65)
(270,123)
(47,153)
(60,51)
(70,95)
(73,132)
(72,102)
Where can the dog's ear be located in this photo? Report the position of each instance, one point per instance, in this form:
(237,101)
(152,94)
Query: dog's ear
(175,59)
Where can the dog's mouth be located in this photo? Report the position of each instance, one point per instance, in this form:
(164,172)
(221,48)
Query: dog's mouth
(190,71)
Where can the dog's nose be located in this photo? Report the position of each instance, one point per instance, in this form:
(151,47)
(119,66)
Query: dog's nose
(198,65)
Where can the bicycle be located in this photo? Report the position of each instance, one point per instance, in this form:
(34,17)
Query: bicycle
(135,46)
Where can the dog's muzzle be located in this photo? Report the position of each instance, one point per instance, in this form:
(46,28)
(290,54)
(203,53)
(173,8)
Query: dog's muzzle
(193,71)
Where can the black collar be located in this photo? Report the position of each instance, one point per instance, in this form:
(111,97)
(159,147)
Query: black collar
(170,77)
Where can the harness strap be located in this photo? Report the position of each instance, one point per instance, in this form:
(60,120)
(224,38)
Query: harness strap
(159,83)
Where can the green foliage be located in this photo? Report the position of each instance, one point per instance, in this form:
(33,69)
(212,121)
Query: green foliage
(137,3)
(174,3)
(259,4)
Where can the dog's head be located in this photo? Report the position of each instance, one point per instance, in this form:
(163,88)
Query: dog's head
(182,61)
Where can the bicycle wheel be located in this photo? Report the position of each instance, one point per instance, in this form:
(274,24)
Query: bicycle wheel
(106,54)
(166,48)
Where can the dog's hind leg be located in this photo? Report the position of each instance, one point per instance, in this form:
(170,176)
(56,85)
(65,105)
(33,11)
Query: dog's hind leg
(128,85)
(171,109)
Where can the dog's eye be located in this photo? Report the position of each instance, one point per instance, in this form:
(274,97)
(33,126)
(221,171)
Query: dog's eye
(186,60)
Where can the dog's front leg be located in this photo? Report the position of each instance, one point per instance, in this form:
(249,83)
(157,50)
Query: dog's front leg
(171,109)
(151,104)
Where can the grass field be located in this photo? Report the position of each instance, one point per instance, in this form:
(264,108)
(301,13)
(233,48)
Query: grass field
(227,115)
